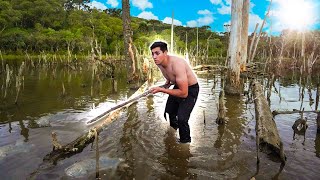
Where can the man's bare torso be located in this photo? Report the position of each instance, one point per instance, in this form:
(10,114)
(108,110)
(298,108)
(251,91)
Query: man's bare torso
(175,62)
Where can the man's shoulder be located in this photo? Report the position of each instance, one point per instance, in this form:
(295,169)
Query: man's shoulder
(177,59)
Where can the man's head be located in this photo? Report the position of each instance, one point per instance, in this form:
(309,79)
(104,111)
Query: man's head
(162,45)
(159,52)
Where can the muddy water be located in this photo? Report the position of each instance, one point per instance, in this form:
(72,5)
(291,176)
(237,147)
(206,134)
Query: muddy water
(141,145)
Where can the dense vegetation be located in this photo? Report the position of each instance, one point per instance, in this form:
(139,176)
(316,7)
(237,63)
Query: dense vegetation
(70,26)
(55,26)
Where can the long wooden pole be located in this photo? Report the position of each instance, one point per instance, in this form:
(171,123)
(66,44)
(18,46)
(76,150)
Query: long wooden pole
(118,106)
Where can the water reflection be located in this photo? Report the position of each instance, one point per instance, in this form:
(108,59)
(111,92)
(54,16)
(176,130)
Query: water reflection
(235,123)
(128,140)
(176,157)
(142,139)
(219,140)
(317,145)
(24,131)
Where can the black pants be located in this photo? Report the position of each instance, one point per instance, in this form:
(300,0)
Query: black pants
(179,110)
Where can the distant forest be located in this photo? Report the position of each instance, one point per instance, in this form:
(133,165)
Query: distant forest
(61,26)
(56,26)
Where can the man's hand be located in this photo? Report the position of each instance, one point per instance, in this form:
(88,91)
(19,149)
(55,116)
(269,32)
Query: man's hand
(157,89)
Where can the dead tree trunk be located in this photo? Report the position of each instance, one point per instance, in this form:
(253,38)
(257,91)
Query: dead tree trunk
(244,34)
(128,44)
(233,79)
(258,38)
(303,50)
(252,42)
(266,129)
(221,109)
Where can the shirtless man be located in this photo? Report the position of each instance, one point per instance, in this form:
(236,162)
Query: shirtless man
(184,94)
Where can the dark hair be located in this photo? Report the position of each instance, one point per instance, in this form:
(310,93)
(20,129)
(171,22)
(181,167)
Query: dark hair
(163,46)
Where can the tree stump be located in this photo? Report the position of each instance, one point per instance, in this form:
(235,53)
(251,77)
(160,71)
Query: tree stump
(221,109)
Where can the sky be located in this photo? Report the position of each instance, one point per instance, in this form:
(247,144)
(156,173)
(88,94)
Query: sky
(293,14)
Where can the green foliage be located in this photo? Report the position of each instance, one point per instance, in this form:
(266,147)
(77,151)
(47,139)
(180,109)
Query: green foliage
(56,25)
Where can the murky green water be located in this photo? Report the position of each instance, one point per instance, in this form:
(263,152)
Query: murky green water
(140,144)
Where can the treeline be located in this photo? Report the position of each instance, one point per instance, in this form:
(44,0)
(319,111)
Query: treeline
(72,27)
(291,44)
(60,26)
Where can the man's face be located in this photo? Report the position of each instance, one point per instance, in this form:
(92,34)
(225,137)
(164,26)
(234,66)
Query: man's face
(157,55)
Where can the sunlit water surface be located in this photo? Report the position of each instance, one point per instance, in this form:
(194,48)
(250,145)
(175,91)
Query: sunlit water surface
(140,144)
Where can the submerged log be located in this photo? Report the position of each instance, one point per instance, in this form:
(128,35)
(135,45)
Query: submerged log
(274,113)
(222,109)
(81,142)
(267,135)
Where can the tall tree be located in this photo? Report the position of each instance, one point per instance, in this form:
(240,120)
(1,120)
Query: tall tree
(8,16)
(244,34)
(233,85)
(128,44)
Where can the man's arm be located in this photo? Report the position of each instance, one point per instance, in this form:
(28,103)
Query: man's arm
(181,81)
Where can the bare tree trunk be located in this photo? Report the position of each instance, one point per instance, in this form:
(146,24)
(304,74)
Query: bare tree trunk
(171,48)
(258,38)
(252,42)
(207,52)
(128,49)
(244,34)
(197,42)
(303,51)
(283,43)
(233,78)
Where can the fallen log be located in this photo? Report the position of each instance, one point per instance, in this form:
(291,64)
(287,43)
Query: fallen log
(267,135)
(81,142)
(60,152)
(204,69)
(275,112)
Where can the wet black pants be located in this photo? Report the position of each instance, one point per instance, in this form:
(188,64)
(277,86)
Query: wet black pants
(179,110)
